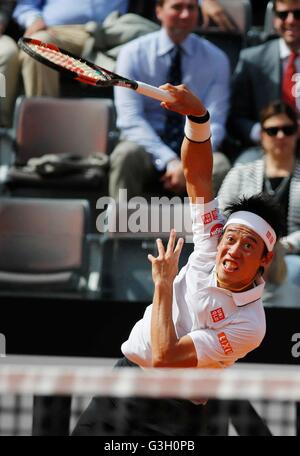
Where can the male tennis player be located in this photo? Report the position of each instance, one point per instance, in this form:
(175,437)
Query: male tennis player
(211,313)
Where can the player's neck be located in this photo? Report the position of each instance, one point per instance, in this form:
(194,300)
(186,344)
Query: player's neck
(247,287)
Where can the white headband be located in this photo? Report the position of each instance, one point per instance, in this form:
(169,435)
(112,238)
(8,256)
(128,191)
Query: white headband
(257,224)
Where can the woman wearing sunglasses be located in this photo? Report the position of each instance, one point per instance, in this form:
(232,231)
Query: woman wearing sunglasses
(277,173)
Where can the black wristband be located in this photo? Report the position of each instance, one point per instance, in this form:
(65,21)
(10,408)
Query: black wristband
(197,142)
(200,119)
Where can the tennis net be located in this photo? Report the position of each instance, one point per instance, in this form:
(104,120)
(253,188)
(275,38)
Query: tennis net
(246,399)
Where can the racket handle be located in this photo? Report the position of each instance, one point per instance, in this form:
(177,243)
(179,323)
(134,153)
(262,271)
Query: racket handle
(153,92)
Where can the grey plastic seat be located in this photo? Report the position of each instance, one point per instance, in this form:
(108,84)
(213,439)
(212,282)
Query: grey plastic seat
(60,127)
(231,42)
(129,235)
(269,30)
(46,125)
(43,244)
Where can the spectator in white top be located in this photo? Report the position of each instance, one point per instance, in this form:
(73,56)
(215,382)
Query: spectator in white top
(210,314)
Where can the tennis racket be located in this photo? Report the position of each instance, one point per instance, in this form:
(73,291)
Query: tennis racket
(82,70)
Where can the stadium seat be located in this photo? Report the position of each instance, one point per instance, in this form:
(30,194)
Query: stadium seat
(44,245)
(231,43)
(45,125)
(240,11)
(66,131)
(146,9)
(129,235)
(269,31)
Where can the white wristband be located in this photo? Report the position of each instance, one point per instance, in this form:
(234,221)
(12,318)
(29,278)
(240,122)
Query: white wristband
(198,130)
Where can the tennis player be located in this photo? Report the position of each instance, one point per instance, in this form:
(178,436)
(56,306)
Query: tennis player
(211,313)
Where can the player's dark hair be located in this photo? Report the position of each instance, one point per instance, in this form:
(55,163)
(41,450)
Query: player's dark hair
(262,205)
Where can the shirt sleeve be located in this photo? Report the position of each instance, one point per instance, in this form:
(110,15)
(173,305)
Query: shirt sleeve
(27,11)
(221,348)
(207,225)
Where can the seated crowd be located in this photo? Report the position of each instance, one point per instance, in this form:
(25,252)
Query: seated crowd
(255,110)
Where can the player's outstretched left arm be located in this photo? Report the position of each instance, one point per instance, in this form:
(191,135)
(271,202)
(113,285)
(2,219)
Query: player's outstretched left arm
(167,349)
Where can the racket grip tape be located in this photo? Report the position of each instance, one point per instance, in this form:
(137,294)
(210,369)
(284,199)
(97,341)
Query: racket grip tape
(153,92)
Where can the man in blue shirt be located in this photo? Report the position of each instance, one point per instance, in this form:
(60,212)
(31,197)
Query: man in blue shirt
(62,22)
(144,158)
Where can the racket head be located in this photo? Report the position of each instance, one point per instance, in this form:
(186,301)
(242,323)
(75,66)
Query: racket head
(71,65)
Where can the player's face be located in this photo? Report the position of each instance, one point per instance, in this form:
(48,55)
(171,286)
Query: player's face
(239,257)
(288,25)
(178,17)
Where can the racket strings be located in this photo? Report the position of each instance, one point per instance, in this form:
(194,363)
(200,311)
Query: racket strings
(65,61)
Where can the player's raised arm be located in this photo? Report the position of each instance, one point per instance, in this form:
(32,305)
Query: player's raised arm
(196,152)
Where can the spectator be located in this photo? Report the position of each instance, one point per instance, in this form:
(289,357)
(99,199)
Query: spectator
(8,63)
(147,158)
(62,22)
(278,174)
(278,291)
(262,72)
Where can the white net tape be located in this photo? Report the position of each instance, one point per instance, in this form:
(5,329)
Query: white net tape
(48,376)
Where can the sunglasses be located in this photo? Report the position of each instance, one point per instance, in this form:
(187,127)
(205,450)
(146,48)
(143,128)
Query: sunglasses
(284,14)
(287,130)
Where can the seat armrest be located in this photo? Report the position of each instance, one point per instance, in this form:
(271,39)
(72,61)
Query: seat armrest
(7,146)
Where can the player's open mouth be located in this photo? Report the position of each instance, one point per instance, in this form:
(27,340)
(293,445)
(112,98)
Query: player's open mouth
(230,266)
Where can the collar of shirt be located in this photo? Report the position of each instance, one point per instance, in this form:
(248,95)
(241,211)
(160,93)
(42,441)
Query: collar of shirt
(165,44)
(245,297)
(284,50)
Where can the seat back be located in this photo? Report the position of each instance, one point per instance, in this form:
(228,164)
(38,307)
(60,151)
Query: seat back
(230,42)
(241,13)
(45,125)
(269,30)
(125,273)
(43,241)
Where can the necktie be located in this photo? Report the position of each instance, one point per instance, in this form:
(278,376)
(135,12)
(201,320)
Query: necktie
(287,82)
(173,131)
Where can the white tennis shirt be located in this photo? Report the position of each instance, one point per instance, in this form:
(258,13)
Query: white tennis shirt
(223,325)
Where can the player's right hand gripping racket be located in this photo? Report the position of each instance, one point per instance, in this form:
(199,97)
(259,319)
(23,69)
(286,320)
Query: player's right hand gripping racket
(84,71)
